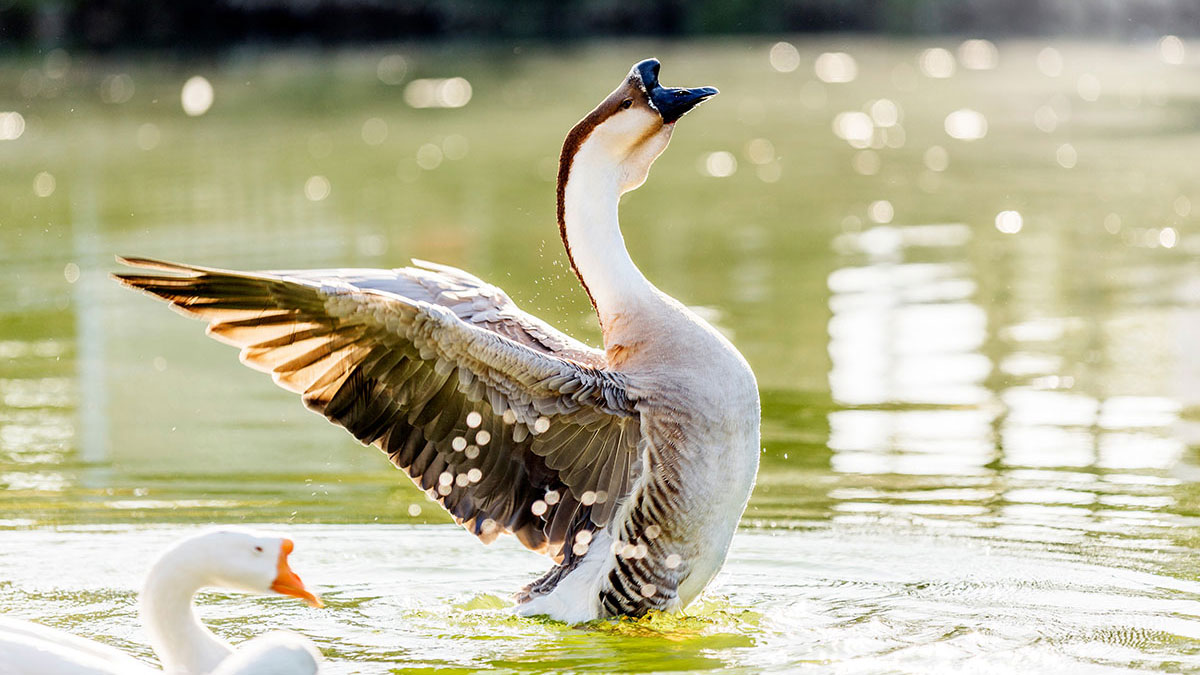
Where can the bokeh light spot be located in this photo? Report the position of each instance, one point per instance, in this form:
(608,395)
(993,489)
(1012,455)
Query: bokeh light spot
(881,212)
(966,125)
(1170,50)
(196,96)
(1009,222)
(429,156)
(1050,62)
(391,69)
(12,125)
(719,164)
(317,188)
(374,131)
(1066,156)
(936,63)
(936,158)
(784,57)
(836,67)
(978,55)
(44,184)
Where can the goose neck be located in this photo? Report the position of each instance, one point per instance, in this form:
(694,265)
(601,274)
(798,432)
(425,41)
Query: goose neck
(183,644)
(589,196)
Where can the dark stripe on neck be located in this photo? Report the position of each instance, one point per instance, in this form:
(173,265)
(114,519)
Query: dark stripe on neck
(566,159)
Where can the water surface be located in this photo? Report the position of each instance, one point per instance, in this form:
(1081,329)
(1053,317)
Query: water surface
(979,430)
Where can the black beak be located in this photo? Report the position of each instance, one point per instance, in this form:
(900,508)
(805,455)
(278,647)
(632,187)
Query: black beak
(671,102)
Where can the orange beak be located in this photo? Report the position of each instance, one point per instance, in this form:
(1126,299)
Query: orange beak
(287,583)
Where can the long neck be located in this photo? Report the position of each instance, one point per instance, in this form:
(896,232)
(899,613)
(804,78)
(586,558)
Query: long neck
(588,193)
(182,643)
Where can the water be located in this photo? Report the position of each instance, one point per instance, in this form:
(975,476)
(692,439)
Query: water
(979,442)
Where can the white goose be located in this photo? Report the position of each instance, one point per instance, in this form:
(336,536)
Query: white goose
(231,559)
(630,467)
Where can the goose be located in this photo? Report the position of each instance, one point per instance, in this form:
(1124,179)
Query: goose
(629,466)
(234,559)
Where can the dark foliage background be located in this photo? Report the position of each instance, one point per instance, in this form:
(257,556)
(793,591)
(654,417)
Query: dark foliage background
(202,25)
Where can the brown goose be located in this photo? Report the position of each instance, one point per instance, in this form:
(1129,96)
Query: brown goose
(629,467)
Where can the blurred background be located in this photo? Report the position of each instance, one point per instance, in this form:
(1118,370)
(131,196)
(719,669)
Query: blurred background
(957,241)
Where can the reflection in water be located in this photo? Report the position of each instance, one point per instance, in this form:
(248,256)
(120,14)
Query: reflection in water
(1046,450)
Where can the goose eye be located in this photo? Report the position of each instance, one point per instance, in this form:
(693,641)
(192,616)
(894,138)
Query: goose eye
(258,549)
(626,103)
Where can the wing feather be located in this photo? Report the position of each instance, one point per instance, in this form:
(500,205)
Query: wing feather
(442,372)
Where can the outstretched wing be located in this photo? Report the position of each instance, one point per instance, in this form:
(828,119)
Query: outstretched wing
(483,412)
(469,297)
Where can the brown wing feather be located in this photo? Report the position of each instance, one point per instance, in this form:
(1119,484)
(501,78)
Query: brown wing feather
(410,377)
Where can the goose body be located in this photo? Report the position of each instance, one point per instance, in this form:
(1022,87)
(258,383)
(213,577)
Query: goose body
(629,466)
(224,558)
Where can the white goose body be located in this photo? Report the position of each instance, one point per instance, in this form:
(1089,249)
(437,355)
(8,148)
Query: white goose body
(630,467)
(231,559)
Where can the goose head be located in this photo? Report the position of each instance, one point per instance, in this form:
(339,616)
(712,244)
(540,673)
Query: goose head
(632,126)
(245,561)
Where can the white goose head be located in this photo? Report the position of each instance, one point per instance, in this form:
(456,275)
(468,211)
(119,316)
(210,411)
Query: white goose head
(226,558)
(244,561)
(631,127)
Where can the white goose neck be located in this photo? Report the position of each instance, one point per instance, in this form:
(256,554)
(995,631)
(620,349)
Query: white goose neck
(182,643)
(592,234)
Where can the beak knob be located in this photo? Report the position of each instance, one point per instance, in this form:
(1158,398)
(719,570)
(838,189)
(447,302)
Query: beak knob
(671,102)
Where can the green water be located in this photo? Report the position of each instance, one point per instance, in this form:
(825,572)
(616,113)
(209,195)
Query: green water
(980,447)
